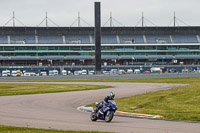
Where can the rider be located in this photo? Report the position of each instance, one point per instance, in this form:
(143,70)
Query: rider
(110,97)
(105,101)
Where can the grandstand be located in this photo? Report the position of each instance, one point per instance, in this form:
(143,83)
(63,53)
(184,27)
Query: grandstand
(120,45)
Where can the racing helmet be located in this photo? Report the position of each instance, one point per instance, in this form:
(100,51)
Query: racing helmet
(112,94)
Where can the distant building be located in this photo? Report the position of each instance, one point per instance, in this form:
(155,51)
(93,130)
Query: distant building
(120,45)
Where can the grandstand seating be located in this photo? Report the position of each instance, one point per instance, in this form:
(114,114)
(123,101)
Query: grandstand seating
(3,39)
(111,39)
(105,39)
(131,39)
(18,39)
(185,38)
(50,39)
(158,38)
(77,39)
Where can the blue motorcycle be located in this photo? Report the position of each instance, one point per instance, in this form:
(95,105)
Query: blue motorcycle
(105,113)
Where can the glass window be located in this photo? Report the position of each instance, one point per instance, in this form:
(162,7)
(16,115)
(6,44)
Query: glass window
(161,48)
(84,53)
(8,54)
(42,54)
(86,48)
(20,54)
(75,48)
(52,48)
(172,48)
(195,47)
(42,48)
(20,48)
(53,54)
(64,54)
(30,54)
(106,53)
(31,48)
(7,48)
(74,53)
(63,47)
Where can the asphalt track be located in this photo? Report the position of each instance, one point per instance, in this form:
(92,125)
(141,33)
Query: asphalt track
(59,110)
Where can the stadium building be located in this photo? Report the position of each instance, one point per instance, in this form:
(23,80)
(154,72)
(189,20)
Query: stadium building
(69,46)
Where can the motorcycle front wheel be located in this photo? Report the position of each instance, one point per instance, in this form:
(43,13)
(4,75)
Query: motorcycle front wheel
(93,116)
(109,117)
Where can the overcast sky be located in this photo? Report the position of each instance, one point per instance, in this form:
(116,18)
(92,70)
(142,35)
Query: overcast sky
(127,12)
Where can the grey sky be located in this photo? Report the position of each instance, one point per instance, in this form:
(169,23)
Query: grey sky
(127,12)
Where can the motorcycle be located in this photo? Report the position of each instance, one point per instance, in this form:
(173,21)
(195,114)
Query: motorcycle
(105,113)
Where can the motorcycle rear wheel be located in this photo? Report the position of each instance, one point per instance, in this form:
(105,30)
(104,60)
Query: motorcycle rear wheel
(108,118)
(93,116)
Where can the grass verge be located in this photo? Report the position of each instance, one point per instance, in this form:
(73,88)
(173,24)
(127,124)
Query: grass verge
(180,103)
(148,80)
(28,88)
(12,129)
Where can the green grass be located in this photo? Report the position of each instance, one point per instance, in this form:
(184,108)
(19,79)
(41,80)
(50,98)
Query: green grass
(180,103)
(28,88)
(148,80)
(12,129)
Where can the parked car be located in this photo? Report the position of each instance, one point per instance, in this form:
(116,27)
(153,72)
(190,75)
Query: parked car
(84,72)
(129,71)
(29,74)
(14,73)
(64,72)
(69,73)
(106,72)
(51,73)
(185,70)
(4,73)
(136,71)
(113,71)
(156,70)
(76,73)
(55,72)
(19,72)
(43,73)
(172,70)
(121,71)
(91,72)
(147,72)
